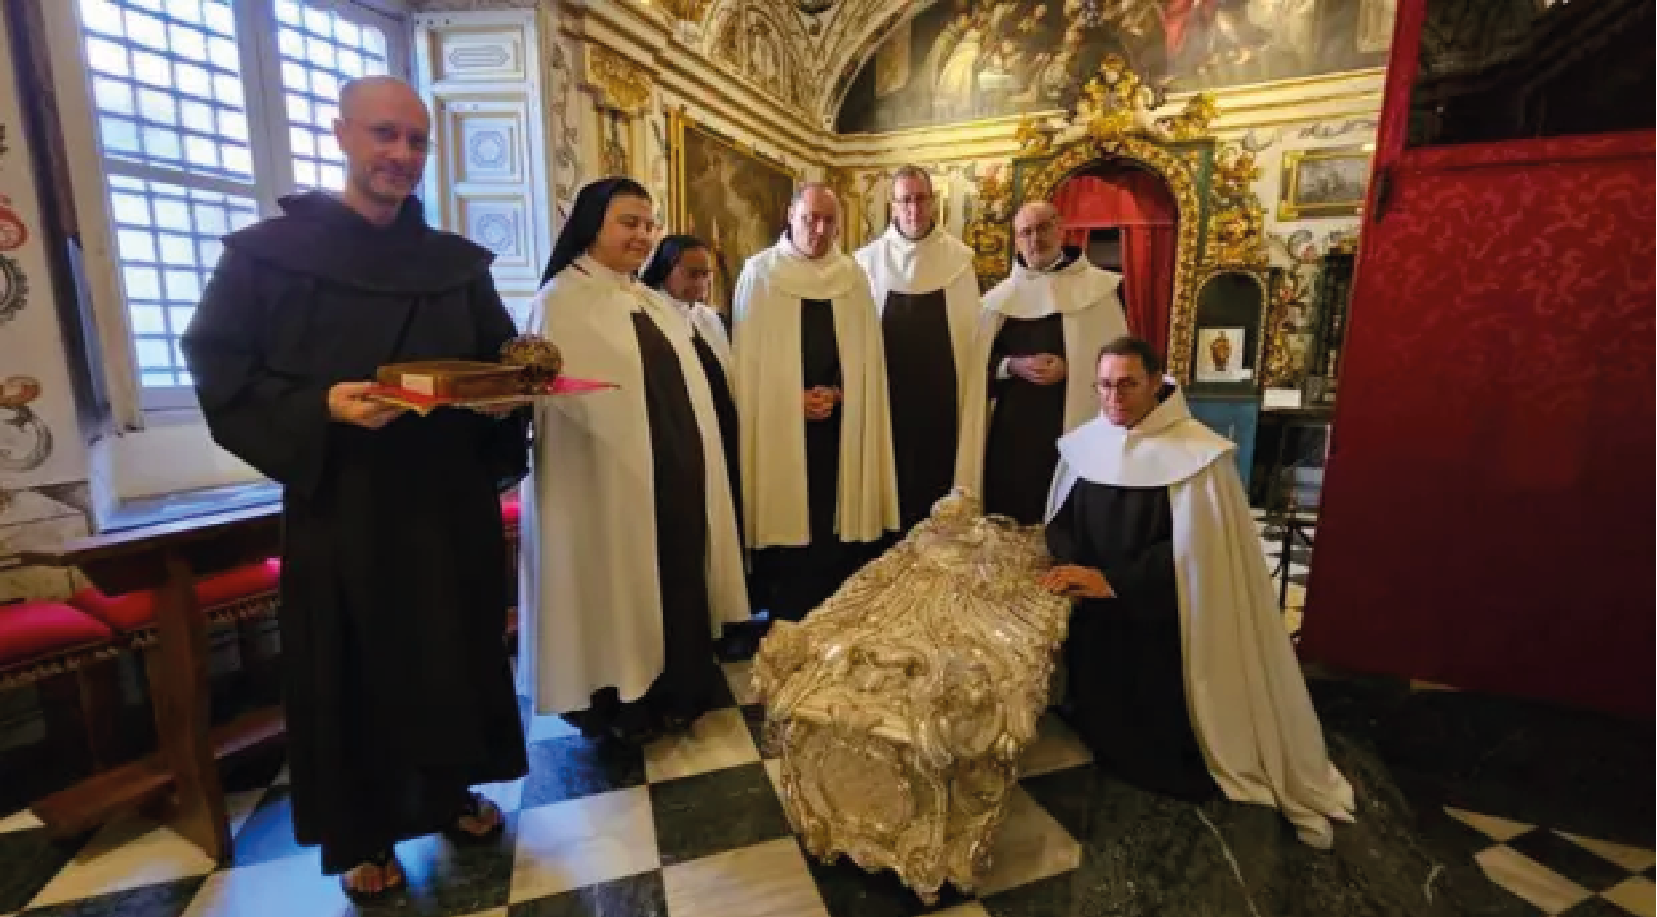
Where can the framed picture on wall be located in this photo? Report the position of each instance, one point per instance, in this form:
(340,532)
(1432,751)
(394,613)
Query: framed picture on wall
(1324,183)
(728,195)
(1220,355)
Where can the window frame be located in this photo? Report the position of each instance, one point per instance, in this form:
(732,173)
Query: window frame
(264,98)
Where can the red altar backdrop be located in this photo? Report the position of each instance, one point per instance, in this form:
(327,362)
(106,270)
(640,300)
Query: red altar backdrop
(1137,203)
(1488,507)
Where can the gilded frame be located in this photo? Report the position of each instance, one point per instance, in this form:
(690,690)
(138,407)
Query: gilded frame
(1180,169)
(679,124)
(1276,371)
(1289,187)
(1205,272)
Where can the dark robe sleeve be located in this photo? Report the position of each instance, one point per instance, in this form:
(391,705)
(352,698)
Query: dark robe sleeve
(998,352)
(277,423)
(1061,532)
(1145,578)
(1135,552)
(505,440)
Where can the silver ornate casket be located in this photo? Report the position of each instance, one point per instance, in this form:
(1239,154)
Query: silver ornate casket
(901,706)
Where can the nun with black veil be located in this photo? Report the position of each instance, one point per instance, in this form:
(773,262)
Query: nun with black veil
(681,270)
(631,561)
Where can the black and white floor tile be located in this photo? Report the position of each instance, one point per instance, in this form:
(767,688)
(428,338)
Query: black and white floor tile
(1559,873)
(687,828)
(1298,566)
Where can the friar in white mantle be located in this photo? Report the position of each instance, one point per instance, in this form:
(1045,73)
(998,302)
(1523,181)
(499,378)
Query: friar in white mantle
(925,287)
(1182,677)
(1042,329)
(819,493)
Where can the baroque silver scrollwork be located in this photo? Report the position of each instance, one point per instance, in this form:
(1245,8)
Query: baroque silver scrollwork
(903,704)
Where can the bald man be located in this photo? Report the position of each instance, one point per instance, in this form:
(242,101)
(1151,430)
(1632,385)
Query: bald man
(819,489)
(1053,313)
(397,686)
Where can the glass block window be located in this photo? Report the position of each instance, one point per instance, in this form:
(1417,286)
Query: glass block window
(167,238)
(321,51)
(206,112)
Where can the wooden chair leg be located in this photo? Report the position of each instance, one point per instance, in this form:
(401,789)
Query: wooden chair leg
(99,685)
(66,737)
(258,666)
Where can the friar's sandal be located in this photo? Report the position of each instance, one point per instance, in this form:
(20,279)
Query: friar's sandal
(390,872)
(479,822)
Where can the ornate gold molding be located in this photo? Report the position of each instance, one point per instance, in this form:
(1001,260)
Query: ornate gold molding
(843,182)
(1116,103)
(1280,368)
(1117,117)
(989,233)
(1236,230)
(686,10)
(616,83)
(1181,180)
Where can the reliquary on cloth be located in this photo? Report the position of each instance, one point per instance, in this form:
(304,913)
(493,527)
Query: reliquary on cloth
(902,705)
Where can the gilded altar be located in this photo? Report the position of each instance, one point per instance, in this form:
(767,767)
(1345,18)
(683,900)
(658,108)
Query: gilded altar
(1117,117)
(902,705)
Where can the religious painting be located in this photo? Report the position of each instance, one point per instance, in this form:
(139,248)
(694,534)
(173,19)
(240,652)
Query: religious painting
(729,196)
(1323,183)
(959,60)
(1220,355)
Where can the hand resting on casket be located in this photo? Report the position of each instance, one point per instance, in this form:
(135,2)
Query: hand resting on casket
(1077,582)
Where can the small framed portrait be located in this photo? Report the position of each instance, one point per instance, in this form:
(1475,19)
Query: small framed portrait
(1324,183)
(1221,355)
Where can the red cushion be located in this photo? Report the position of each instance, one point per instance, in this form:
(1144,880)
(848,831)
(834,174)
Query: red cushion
(31,630)
(510,511)
(136,610)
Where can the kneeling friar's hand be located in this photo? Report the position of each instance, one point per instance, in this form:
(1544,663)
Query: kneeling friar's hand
(1077,582)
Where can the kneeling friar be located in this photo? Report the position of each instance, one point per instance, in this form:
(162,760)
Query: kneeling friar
(1182,677)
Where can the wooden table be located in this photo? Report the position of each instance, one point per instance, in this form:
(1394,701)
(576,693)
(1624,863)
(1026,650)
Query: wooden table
(168,558)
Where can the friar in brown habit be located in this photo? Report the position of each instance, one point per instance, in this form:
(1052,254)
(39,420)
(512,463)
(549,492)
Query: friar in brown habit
(397,685)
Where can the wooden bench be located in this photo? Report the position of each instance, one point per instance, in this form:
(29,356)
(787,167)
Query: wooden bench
(163,563)
(67,656)
(158,589)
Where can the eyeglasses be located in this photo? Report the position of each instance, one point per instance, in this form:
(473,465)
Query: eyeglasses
(1036,229)
(913,200)
(1121,386)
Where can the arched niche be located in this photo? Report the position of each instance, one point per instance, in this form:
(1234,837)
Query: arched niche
(1220,220)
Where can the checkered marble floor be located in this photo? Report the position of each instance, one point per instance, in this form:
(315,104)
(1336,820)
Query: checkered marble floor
(1299,565)
(1558,873)
(688,828)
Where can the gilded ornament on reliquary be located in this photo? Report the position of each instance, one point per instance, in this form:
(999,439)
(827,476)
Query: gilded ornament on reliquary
(901,707)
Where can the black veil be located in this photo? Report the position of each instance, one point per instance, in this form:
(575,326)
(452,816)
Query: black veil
(586,219)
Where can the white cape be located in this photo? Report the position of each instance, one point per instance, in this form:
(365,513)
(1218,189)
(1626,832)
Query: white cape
(703,320)
(1086,298)
(768,392)
(1249,706)
(591,604)
(938,262)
